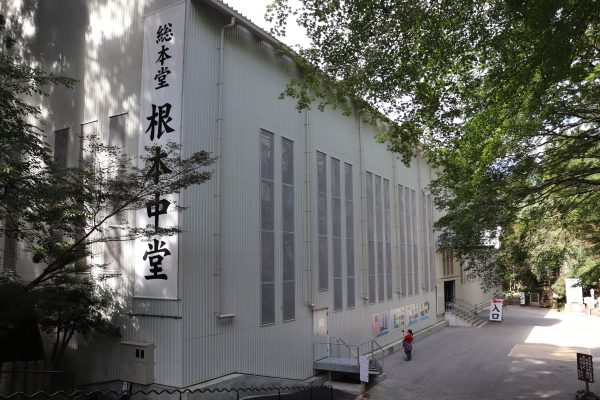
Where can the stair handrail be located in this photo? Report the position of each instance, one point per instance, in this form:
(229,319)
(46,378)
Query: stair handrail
(465,304)
(345,344)
(461,311)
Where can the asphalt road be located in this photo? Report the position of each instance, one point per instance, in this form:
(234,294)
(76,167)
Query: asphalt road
(474,363)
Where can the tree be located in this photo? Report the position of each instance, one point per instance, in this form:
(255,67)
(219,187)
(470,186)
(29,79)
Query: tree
(502,95)
(60,214)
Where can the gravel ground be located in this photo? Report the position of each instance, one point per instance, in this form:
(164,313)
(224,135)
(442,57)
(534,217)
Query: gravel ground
(474,363)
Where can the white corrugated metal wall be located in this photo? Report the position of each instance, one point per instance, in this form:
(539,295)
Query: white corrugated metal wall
(253,80)
(100,43)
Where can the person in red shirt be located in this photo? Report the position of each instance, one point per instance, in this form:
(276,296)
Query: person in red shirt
(407,343)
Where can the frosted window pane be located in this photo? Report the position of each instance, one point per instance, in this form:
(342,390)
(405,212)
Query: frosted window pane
(267,200)
(266,155)
(335,178)
(337,257)
(337,294)
(288,257)
(117,127)
(287,161)
(322,206)
(288,208)
(268,257)
(268,303)
(351,293)
(348,169)
(61,147)
(321,172)
(336,216)
(323,273)
(289,300)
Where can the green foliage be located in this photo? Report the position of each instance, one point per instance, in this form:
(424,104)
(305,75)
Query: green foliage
(60,214)
(503,96)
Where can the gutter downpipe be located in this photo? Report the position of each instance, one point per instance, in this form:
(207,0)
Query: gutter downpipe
(363,210)
(309,282)
(218,179)
(396,217)
(419,151)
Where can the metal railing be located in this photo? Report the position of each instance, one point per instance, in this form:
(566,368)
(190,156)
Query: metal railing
(465,304)
(127,394)
(461,312)
(339,352)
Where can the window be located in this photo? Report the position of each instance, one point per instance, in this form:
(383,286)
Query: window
(349,237)
(379,216)
(113,250)
(409,241)
(401,215)
(388,239)
(322,211)
(267,226)
(89,129)
(287,211)
(336,218)
(371,239)
(10,253)
(61,147)
(414,240)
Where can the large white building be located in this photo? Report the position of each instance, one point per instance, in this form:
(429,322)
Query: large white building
(309,230)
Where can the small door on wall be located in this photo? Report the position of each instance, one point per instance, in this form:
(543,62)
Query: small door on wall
(321,334)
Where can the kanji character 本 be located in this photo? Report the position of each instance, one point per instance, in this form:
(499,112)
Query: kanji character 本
(162,55)
(157,208)
(156,259)
(164,33)
(159,118)
(158,166)
(161,76)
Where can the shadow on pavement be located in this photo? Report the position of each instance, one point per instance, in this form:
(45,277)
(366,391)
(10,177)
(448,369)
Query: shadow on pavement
(317,394)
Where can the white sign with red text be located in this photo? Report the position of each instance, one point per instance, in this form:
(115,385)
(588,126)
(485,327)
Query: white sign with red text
(496,310)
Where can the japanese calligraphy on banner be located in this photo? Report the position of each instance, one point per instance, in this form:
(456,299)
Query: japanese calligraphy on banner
(585,368)
(496,310)
(156,262)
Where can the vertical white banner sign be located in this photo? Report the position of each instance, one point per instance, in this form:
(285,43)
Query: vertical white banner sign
(496,310)
(156,261)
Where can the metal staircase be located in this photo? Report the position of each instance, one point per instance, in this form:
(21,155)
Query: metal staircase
(337,355)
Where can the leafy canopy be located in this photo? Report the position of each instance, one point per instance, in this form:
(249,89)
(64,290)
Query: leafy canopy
(502,94)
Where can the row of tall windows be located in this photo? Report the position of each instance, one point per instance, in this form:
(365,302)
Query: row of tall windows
(409,261)
(267,216)
(379,236)
(447,264)
(336,228)
(117,128)
(428,244)
(379,226)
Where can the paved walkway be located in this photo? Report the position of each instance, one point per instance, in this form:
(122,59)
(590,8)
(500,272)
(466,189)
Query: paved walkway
(471,363)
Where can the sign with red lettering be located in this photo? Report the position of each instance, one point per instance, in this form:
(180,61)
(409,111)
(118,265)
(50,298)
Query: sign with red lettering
(496,310)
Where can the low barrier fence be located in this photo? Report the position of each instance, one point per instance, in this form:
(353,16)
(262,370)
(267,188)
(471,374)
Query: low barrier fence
(33,377)
(311,392)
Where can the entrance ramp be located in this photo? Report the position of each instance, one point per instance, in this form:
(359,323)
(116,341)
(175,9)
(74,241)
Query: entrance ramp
(337,355)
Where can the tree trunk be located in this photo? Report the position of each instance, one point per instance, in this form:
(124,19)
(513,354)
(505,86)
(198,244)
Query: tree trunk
(63,347)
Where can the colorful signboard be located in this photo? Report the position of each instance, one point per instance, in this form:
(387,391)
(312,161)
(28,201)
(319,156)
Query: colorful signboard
(381,324)
(397,317)
(424,310)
